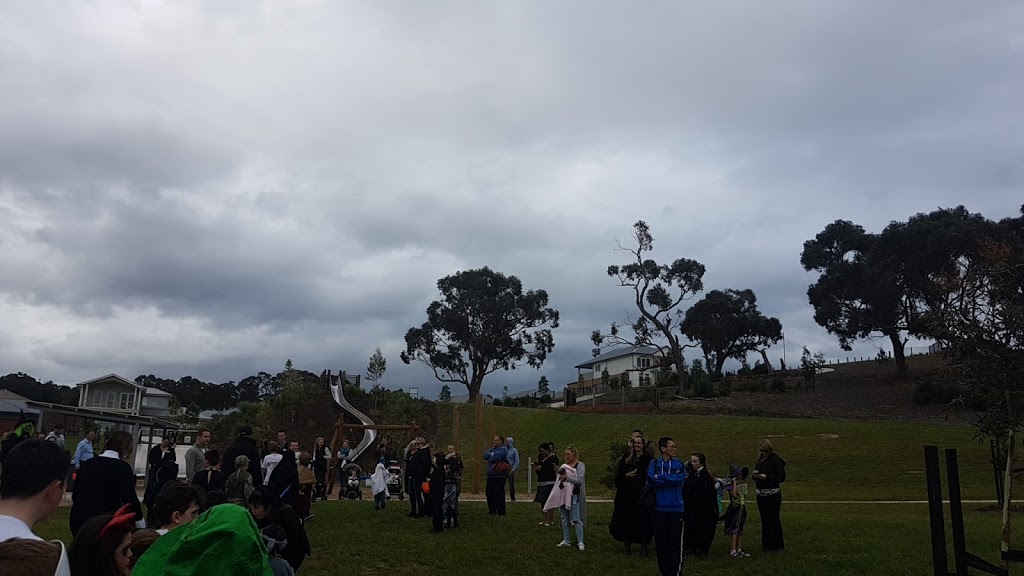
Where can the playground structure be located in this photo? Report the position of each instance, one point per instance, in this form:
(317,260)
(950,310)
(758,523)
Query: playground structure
(369,428)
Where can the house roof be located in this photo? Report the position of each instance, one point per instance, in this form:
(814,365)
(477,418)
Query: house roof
(120,379)
(13,406)
(619,353)
(150,391)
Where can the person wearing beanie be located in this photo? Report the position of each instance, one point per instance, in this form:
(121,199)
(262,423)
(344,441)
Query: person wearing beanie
(244,445)
(224,540)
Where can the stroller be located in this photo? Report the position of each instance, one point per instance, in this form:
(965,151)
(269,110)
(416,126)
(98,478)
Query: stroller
(319,492)
(395,480)
(353,484)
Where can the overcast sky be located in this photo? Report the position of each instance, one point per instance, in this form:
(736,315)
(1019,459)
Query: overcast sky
(210,188)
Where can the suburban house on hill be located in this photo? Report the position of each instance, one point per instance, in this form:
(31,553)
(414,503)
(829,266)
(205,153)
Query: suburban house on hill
(116,394)
(631,361)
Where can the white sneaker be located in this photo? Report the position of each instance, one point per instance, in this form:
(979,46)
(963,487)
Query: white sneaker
(564,543)
(581,547)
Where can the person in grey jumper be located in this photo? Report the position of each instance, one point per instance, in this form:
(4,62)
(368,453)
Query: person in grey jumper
(513,461)
(195,456)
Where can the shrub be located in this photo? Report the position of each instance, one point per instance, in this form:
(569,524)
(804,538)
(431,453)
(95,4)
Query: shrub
(778,385)
(705,389)
(616,451)
(932,392)
(725,387)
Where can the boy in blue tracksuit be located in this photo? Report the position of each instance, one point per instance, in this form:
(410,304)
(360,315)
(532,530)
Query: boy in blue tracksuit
(667,475)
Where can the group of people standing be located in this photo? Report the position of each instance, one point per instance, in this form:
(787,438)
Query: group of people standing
(678,503)
(433,481)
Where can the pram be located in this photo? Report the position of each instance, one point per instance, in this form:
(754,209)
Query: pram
(353,484)
(395,480)
(319,492)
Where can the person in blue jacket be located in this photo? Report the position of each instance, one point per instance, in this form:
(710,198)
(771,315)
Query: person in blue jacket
(513,461)
(667,475)
(496,456)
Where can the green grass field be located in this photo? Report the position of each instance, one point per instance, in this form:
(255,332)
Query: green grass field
(828,460)
(350,538)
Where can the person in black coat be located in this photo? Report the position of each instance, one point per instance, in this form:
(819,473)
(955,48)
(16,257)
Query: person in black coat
(156,457)
(419,471)
(244,445)
(435,498)
(210,479)
(769,472)
(166,472)
(284,480)
(631,524)
(266,511)
(700,507)
(105,483)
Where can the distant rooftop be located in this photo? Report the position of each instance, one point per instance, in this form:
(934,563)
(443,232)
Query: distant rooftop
(619,353)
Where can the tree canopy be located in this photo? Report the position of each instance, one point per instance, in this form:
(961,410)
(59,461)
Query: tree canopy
(881,285)
(727,324)
(658,290)
(483,323)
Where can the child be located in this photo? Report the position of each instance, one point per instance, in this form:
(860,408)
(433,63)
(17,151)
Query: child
(238,485)
(270,461)
(276,541)
(353,491)
(736,514)
(307,479)
(379,481)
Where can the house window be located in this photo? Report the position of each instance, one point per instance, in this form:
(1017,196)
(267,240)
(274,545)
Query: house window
(127,401)
(97,399)
(111,399)
(597,367)
(643,362)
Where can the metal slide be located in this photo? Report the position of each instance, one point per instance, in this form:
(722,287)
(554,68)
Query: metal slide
(369,436)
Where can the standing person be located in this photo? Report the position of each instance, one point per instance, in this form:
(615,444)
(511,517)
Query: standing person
(210,478)
(736,513)
(244,445)
(31,491)
(513,461)
(282,439)
(547,471)
(238,486)
(630,523)
(166,472)
(407,454)
(769,472)
(384,454)
(105,483)
(195,455)
(700,500)
(339,470)
(667,475)
(497,469)
(284,480)
(573,509)
(420,465)
(321,457)
(56,435)
(379,484)
(270,461)
(435,499)
(452,487)
(156,458)
(84,452)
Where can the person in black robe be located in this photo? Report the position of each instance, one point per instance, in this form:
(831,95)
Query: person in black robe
(435,499)
(105,483)
(631,524)
(284,480)
(210,479)
(266,511)
(700,507)
(769,472)
(166,472)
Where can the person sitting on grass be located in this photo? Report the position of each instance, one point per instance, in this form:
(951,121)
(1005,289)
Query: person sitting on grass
(176,505)
(276,541)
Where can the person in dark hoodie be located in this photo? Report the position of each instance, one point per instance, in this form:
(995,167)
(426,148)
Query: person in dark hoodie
(244,445)
(769,472)
(419,470)
(667,475)
(284,480)
(435,499)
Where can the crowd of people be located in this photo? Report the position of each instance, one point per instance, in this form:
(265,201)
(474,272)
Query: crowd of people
(248,495)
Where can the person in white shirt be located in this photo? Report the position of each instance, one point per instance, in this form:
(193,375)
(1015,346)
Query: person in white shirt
(32,490)
(270,461)
(56,435)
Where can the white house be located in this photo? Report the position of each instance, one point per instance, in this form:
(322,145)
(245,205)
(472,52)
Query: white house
(116,394)
(632,361)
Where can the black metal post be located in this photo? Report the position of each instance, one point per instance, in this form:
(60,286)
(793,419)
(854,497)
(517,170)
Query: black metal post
(956,513)
(938,523)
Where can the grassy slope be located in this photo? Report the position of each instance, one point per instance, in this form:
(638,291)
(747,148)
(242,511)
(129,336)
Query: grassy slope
(868,460)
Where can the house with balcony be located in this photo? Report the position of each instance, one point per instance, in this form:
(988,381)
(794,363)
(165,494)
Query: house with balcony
(112,393)
(635,363)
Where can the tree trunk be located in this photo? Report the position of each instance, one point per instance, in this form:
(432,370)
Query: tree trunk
(897,353)
(474,388)
(767,364)
(719,362)
(680,364)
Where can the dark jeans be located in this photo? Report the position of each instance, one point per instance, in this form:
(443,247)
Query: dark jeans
(770,508)
(668,542)
(416,497)
(496,495)
(380,500)
(511,487)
